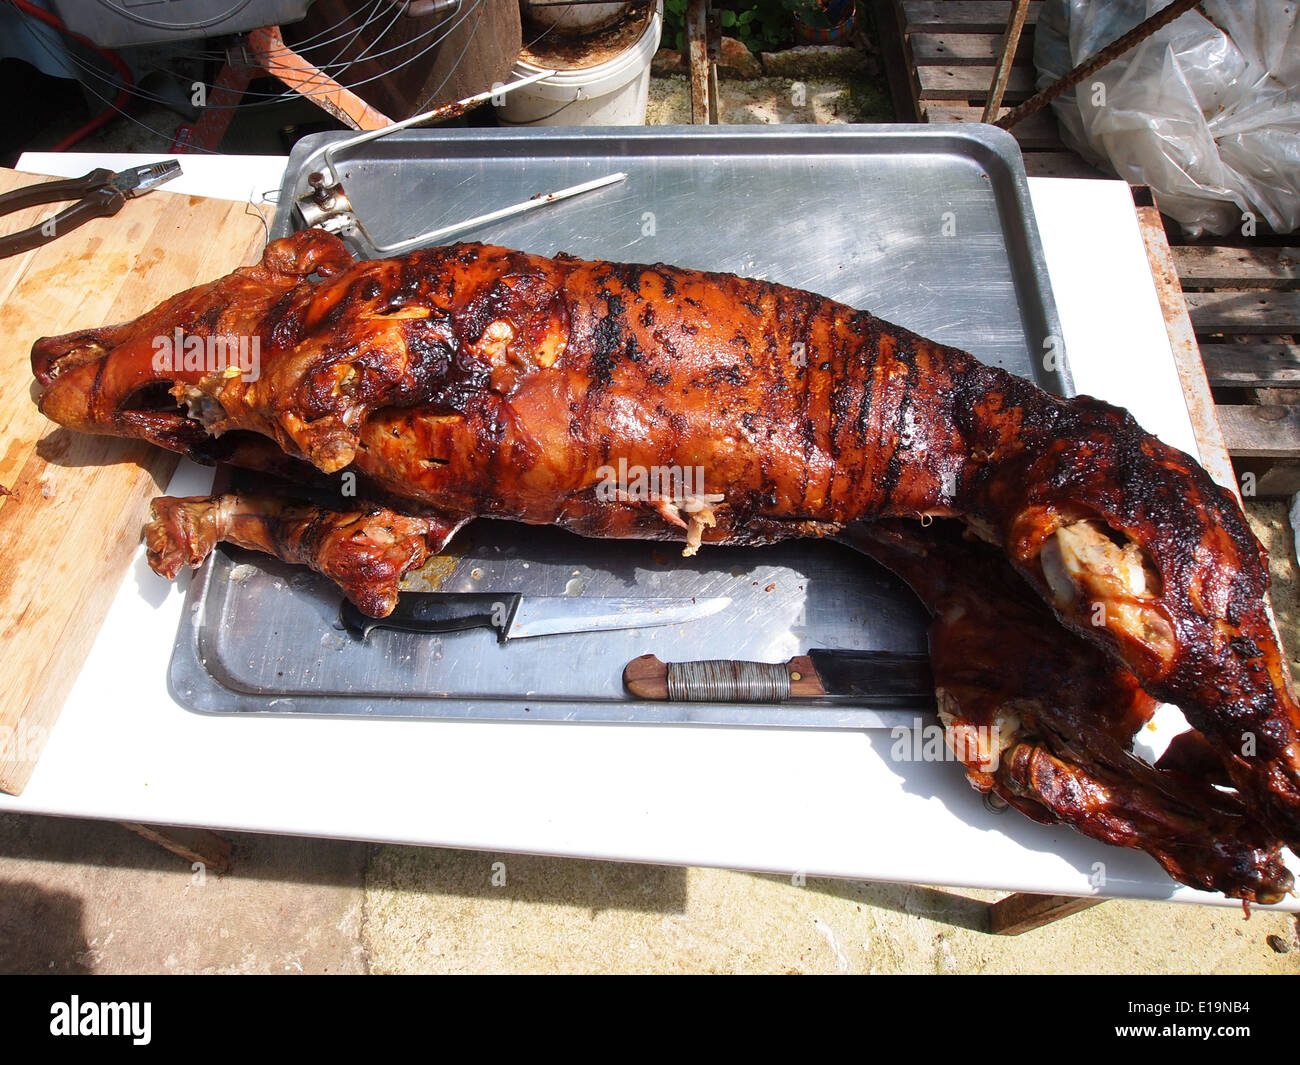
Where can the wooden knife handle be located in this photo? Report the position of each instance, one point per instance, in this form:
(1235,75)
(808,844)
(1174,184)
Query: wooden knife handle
(722,680)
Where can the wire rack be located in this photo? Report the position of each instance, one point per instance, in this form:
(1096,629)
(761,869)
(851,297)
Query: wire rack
(345,52)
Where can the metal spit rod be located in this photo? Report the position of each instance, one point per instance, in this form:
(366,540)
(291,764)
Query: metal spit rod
(540,200)
(437,114)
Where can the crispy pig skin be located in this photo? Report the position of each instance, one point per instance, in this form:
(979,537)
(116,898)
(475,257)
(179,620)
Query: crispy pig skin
(475,380)
(1068,714)
(366,552)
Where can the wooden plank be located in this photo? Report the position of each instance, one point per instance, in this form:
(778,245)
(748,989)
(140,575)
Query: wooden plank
(966,49)
(894,54)
(1037,131)
(71,527)
(1261,432)
(1062,164)
(197,846)
(1252,365)
(1281,479)
(1248,313)
(1023,912)
(971,83)
(929,16)
(1216,267)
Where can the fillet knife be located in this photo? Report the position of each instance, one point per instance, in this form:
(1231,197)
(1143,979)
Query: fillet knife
(513,616)
(883,678)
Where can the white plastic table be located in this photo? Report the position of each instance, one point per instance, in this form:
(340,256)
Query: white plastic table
(821,803)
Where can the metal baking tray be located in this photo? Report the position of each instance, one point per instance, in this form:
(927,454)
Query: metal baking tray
(928,227)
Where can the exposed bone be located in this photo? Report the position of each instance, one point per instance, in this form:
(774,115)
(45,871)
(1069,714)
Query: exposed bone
(698,507)
(1081,561)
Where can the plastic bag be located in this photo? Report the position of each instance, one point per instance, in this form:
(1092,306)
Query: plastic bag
(1206,110)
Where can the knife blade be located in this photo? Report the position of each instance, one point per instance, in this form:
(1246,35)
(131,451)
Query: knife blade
(515,616)
(885,678)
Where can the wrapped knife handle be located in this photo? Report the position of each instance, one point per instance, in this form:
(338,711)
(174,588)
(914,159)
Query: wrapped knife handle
(722,680)
(727,681)
(886,678)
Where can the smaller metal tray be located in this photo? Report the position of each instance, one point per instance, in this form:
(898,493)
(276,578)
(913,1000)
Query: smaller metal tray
(927,227)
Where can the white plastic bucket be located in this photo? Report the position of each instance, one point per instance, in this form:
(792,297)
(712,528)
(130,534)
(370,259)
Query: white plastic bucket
(578,18)
(614,93)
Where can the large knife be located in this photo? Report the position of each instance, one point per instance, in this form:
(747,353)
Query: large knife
(883,678)
(513,616)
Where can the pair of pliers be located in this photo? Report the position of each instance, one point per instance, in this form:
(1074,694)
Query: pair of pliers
(99,194)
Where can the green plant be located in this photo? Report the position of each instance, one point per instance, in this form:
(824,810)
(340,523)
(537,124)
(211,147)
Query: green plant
(675,23)
(761,25)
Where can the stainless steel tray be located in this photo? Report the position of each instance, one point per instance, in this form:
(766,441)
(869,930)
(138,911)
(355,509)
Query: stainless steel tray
(927,227)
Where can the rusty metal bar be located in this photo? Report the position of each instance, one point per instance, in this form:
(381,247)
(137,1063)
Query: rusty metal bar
(268,49)
(1112,51)
(704,108)
(214,120)
(1187,354)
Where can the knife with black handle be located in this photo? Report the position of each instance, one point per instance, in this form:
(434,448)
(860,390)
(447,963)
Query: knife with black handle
(513,616)
(884,678)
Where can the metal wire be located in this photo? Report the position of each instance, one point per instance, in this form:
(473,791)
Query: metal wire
(266,226)
(479,4)
(439,32)
(312,41)
(724,681)
(397,13)
(390,70)
(330,67)
(543,118)
(235,8)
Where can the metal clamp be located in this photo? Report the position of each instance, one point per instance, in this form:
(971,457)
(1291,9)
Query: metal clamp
(327,206)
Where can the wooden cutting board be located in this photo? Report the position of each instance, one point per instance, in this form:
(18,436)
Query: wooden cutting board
(71,525)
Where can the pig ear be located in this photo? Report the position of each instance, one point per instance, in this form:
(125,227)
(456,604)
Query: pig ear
(313,251)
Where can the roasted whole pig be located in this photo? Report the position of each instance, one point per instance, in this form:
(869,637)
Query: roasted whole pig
(473,380)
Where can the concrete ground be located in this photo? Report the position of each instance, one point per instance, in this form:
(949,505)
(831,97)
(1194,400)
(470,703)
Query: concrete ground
(810,84)
(91,897)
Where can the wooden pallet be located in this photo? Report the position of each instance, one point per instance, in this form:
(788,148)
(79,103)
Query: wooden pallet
(1243,302)
(1244,305)
(940,57)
